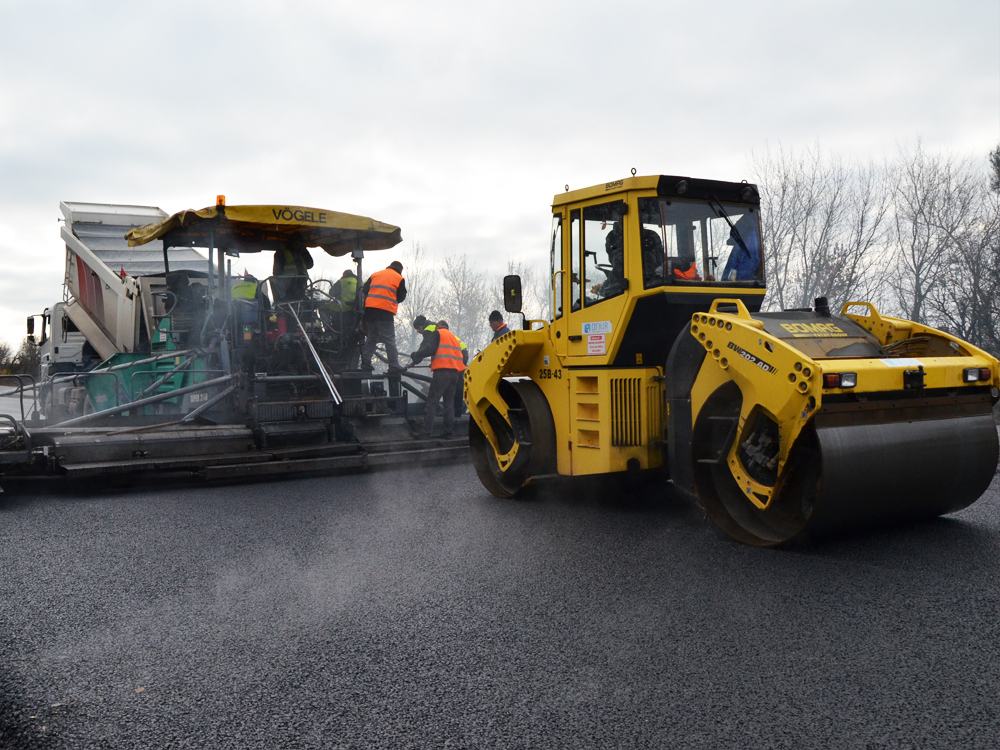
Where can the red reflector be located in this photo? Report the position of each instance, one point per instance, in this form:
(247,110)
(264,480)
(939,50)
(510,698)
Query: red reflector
(831,380)
(985,374)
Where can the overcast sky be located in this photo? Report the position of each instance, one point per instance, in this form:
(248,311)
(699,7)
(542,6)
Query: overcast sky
(456,121)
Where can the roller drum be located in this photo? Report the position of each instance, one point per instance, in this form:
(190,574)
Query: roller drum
(874,474)
(844,477)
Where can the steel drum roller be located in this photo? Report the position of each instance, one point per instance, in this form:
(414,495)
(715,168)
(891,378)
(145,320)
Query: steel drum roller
(848,477)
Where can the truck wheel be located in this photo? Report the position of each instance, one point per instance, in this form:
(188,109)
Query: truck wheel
(531,429)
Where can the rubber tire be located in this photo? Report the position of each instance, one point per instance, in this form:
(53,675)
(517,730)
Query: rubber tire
(533,429)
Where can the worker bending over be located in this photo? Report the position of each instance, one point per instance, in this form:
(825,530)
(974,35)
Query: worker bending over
(448,361)
(383,291)
(423,325)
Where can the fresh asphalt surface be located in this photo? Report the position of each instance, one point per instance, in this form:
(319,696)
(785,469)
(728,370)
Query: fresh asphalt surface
(409,608)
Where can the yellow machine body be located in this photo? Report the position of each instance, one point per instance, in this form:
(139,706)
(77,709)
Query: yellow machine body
(673,367)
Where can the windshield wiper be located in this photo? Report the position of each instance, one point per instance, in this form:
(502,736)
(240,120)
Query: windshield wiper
(721,213)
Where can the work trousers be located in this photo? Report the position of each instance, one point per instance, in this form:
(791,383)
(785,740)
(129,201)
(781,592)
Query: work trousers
(381,330)
(442,389)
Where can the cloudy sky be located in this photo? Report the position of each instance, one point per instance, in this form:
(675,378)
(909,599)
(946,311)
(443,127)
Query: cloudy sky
(456,121)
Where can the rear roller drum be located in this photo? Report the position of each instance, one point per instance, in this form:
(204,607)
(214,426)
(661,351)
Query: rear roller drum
(531,429)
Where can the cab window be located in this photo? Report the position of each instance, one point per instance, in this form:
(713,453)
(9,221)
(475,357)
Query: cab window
(556,265)
(685,241)
(574,239)
(603,251)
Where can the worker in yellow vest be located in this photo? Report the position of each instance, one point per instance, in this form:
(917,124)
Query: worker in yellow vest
(383,292)
(345,289)
(291,271)
(447,365)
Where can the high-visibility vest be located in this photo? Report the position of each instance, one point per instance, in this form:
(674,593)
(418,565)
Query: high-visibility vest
(432,327)
(244,290)
(348,290)
(382,292)
(449,352)
(294,265)
(690,274)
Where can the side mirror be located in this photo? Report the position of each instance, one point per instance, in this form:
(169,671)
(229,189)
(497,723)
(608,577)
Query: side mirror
(31,325)
(512,294)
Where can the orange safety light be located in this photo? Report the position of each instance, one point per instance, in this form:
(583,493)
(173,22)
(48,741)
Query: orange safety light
(220,200)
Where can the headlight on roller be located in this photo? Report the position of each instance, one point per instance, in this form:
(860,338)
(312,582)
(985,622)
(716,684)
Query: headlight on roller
(976,374)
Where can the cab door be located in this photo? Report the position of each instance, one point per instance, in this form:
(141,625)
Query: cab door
(597,281)
(559,278)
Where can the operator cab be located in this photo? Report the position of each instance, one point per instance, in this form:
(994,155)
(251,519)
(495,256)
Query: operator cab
(633,259)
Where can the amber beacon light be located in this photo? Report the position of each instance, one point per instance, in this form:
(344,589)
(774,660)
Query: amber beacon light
(220,200)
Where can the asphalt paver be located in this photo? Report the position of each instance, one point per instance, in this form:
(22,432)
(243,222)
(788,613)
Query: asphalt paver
(410,609)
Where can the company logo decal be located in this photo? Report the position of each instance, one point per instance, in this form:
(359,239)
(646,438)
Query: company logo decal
(814,330)
(289,214)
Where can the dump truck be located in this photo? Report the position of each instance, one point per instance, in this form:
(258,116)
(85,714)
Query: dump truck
(657,360)
(178,368)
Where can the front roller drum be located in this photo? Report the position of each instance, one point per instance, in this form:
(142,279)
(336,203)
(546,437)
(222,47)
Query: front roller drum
(531,428)
(841,478)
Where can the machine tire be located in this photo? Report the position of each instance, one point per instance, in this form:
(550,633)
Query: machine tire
(531,426)
(723,500)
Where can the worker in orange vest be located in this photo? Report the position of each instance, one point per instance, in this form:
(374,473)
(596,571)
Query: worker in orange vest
(383,292)
(447,365)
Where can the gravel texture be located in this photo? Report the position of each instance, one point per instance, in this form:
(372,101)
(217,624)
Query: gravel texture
(411,609)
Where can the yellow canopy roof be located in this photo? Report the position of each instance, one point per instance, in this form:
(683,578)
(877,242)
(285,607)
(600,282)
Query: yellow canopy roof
(255,228)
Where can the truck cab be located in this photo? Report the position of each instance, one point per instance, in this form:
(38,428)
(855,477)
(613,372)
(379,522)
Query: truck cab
(62,347)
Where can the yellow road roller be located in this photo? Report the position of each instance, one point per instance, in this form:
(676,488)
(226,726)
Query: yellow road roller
(657,357)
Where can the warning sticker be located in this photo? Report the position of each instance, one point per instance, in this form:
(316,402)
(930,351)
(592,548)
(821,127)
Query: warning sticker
(597,344)
(902,362)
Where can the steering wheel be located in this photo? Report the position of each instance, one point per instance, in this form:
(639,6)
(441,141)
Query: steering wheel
(314,287)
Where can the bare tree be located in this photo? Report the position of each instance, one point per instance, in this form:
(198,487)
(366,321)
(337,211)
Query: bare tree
(421,295)
(967,302)
(536,291)
(994,160)
(6,355)
(823,221)
(465,300)
(935,205)
(26,361)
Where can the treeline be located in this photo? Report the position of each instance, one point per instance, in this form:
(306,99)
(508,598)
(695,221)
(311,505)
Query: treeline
(22,361)
(917,234)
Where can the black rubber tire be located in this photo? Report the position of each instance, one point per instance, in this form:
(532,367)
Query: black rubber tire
(532,427)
